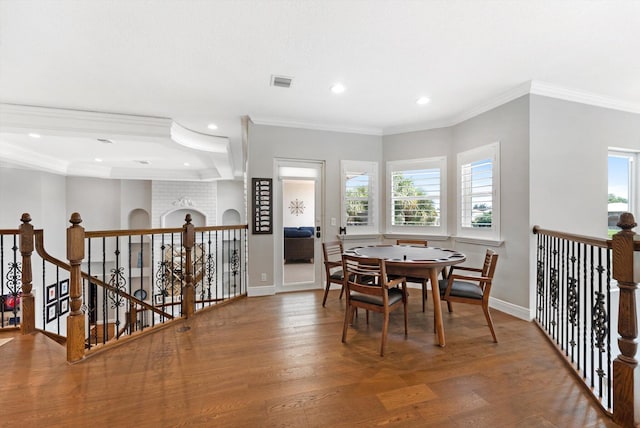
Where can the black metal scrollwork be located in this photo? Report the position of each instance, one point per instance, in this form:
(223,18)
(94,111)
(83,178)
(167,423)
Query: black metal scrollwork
(554,288)
(119,282)
(599,322)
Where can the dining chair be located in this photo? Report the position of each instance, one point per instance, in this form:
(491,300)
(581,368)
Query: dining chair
(369,288)
(332,252)
(422,281)
(471,288)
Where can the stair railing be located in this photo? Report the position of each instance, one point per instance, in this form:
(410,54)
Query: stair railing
(575,307)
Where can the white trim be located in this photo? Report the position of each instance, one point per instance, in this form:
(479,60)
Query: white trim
(358,237)
(315,126)
(583,97)
(415,236)
(479,241)
(532,87)
(371,169)
(520,312)
(261,290)
(68,122)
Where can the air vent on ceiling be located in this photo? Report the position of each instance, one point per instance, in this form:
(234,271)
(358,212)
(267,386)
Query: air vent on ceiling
(281,81)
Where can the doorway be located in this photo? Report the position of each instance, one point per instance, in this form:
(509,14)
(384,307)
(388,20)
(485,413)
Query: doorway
(298,211)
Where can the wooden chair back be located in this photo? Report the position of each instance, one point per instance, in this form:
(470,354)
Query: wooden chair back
(332,252)
(369,287)
(415,242)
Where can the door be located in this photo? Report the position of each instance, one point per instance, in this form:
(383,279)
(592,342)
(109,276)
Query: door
(298,212)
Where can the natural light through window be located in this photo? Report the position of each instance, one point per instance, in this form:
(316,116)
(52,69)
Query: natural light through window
(359,198)
(621,167)
(416,189)
(479,203)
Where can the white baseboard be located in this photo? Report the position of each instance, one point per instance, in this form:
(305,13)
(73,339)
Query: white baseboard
(261,290)
(511,309)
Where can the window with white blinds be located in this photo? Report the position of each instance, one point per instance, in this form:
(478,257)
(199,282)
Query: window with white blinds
(479,187)
(416,192)
(359,201)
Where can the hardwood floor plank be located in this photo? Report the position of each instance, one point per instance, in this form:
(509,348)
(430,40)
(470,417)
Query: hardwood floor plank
(278,361)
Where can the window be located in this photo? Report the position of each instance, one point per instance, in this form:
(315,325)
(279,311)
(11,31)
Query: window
(416,192)
(359,201)
(621,189)
(479,197)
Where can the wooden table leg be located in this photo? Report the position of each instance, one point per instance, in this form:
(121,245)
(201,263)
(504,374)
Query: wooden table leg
(437,308)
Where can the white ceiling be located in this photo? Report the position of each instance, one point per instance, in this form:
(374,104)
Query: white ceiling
(196,62)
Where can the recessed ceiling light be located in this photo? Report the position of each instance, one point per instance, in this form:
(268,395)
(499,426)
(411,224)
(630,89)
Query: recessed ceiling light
(212,126)
(34,135)
(186,164)
(98,160)
(143,162)
(422,101)
(338,88)
(105,140)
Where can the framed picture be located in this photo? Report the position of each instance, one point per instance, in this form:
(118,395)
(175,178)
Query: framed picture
(52,293)
(52,311)
(157,299)
(64,288)
(64,306)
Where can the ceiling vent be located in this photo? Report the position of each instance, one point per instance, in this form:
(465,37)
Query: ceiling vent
(281,81)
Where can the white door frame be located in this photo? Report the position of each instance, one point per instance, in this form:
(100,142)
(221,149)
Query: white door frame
(278,270)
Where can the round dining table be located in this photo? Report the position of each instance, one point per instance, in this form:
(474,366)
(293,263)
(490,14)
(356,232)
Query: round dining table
(415,262)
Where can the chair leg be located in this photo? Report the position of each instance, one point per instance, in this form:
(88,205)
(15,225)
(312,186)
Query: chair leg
(487,315)
(449,306)
(406,319)
(326,293)
(424,295)
(341,292)
(348,314)
(385,328)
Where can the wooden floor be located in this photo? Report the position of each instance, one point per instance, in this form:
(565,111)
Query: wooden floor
(278,362)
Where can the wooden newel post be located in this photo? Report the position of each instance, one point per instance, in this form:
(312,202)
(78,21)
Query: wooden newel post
(27,301)
(75,320)
(625,375)
(188,293)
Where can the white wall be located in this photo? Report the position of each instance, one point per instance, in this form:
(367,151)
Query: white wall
(40,194)
(508,124)
(134,194)
(97,200)
(231,196)
(569,143)
(269,142)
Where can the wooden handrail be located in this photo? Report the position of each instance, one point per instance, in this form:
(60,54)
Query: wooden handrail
(589,240)
(157,231)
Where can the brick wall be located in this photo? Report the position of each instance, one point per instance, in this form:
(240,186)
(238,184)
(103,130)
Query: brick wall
(167,196)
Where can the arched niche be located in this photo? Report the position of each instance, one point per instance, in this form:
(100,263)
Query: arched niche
(230,217)
(175,217)
(139,219)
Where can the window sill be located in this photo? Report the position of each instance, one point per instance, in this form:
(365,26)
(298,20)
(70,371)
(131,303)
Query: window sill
(479,241)
(395,235)
(356,236)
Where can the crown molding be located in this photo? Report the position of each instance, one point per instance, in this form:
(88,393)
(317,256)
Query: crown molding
(568,94)
(315,126)
(27,158)
(490,104)
(68,122)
